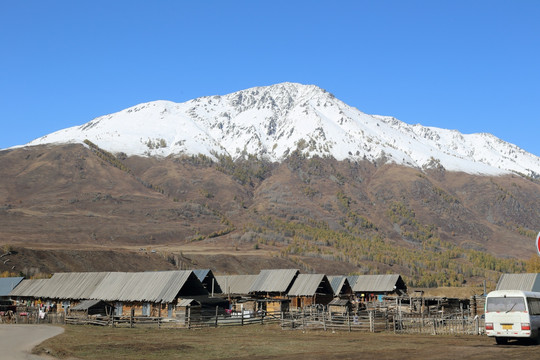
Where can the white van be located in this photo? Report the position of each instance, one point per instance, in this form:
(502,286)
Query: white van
(512,314)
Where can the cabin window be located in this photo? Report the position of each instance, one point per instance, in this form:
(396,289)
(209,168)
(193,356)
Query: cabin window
(505,304)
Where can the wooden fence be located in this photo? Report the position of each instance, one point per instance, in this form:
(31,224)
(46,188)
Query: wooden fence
(369,321)
(449,325)
(372,320)
(188,321)
(32,317)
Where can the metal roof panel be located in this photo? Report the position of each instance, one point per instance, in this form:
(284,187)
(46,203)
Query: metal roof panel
(306,284)
(523,282)
(276,280)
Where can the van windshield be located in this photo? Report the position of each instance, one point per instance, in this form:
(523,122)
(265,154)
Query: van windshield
(506,304)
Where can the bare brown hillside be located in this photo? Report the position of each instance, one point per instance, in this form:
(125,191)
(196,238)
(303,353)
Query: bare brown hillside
(432,226)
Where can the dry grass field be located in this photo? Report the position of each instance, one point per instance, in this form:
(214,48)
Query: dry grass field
(269,342)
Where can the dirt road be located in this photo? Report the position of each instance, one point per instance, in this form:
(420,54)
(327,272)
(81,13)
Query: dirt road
(17,341)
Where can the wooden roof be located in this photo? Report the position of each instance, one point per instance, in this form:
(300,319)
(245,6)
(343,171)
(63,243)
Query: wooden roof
(160,286)
(236,284)
(379,283)
(310,284)
(277,280)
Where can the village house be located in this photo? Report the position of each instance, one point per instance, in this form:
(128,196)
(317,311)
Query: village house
(310,289)
(271,287)
(146,293)
(236,289)
(369,288)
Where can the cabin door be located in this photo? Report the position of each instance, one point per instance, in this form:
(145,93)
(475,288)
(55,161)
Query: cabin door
(169,310)
(118,308)
(146,309)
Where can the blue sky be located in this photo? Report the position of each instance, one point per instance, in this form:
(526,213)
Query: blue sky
(469,65)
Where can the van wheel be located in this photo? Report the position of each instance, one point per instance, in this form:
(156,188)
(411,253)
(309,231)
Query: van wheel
(536,339)
(501,341)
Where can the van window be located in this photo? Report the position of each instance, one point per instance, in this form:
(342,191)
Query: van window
(505,304)
(534,306)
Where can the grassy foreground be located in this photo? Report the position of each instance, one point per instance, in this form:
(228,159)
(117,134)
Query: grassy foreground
(268,342)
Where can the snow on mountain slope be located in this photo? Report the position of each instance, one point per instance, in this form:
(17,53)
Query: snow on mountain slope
(273,121)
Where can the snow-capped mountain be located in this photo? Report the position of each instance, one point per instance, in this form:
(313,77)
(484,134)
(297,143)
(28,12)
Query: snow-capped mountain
(273,121)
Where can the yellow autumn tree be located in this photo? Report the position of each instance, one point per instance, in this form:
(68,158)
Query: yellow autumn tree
(533,264)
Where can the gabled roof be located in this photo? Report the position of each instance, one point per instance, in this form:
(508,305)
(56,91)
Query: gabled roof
(60,286)
(523,282)
(207,278)
(310,284)
(201,273)
(236,284)
(352,279)
(9,283)
(278,280)
(28,288)
(188,302)
(76,285)
(159,286)
(338,283)
(379,283)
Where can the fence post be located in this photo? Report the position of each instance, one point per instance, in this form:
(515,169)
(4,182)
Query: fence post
(131,315)
(324,319)
(189,316)
(371,321)
(348,320)
(216,315)
(262,317)
(159,317)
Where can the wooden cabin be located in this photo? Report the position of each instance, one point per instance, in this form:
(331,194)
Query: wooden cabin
(272,286)
(146,293)
(309,290)
(236,289)
(369,288)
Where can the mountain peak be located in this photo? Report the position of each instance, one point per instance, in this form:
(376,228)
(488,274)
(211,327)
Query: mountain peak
(273,121)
